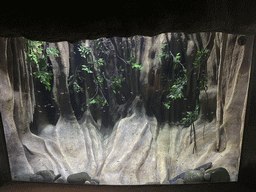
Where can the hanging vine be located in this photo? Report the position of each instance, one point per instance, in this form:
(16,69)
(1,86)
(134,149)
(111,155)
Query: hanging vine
(177,85)
(37,57)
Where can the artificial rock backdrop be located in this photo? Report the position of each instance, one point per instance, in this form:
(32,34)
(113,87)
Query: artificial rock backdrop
(139,147)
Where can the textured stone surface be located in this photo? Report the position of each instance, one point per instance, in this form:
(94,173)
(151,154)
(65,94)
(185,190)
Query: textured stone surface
(173,180)
(236,75)
(165,182)
(194,176)
(180,181)
(205,166)
(79,178)
(36,178)
(11,101)
(23,177)
(152,183)
(48,176)
(207,176)
(219,175)
(60,180)
(182,175)
(137,150)
(57,177)
(94,182)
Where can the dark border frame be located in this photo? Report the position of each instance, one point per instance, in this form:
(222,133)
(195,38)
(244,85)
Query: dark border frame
(246,176)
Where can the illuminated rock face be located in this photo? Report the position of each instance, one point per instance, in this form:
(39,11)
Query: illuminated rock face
(138,148)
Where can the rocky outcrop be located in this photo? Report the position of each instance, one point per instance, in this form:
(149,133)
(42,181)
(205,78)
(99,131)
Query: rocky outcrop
(14,97)
(40,176)
(79,178)
(201,176)
(145,144)
(235,76)
(182,175)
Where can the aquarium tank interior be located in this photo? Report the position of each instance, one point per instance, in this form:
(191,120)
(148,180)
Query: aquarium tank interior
(167,109)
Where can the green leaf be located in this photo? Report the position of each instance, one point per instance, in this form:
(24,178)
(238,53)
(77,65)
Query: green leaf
(104,103)
(100,61)
(132,59)
(84,51)
(167,105)
(52,50)
(85,68)
(100,79)
(35,55)
(163,45)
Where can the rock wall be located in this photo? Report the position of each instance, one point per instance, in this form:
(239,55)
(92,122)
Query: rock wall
(233,62)
(138,148)
(16,103)
(152,81)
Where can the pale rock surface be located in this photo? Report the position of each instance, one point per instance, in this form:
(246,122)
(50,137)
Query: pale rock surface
(138,150)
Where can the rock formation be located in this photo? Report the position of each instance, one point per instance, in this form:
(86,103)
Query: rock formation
(134,142)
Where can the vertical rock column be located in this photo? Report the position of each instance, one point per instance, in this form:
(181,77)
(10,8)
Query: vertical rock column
(68,132)
(14,146)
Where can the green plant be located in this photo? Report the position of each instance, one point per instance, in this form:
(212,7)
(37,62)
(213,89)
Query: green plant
(37,57)
(33,51)
(176,61)
(52,50)
(97,100)
(164,54)
(84,51)
(135,64)
(201,57)
(203,84)
(177,86)
(189,120)
(191,116)
(72,81)
(95,66)
(117,82)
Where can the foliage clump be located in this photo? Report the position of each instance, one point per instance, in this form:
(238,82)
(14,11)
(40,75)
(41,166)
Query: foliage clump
(177,86)
(95,65)
(180,81)
(37,56)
